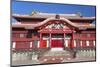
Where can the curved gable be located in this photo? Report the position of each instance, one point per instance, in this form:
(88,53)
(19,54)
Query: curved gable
(53,22)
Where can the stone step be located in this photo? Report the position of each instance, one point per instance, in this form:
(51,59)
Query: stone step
(54,56)
(57,53)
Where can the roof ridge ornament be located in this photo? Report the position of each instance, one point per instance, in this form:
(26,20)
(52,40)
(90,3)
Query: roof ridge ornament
(34,12)
(79,14)
(57,16)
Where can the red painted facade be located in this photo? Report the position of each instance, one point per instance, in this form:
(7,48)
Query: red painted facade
(33,32)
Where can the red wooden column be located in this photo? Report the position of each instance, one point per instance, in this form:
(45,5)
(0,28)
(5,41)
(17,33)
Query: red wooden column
(78,41)
(72,44)
(50,40)
(64,40)
(91,44)
(40,39)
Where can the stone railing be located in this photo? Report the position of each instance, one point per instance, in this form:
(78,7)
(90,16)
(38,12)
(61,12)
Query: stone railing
(85,53)
(27,55)
(35,55)
(20,56)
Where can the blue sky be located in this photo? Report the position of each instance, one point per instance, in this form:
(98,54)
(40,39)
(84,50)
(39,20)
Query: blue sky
(19,7)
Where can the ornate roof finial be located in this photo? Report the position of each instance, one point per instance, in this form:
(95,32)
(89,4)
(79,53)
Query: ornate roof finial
(57,16)
(34,12)
(79,14)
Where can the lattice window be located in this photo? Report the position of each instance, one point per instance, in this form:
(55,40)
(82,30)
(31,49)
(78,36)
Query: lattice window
(56,26)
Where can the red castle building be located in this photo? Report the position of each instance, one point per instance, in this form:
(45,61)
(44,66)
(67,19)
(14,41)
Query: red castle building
(56,32)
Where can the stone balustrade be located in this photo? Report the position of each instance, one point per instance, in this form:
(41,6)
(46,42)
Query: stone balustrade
(24,56)
(16,56)
(85,53)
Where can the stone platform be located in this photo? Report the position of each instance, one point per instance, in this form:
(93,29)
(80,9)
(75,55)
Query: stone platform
(49,56)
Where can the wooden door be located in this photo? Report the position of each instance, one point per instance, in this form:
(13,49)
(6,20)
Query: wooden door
(56,43)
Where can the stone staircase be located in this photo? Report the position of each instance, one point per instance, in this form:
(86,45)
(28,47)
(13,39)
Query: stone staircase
(55,56)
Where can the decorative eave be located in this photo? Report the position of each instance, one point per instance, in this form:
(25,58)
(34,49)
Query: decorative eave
(33,26)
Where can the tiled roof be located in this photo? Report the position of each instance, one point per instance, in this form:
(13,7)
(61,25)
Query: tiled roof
(48,15)
(51,16)
(32,26)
